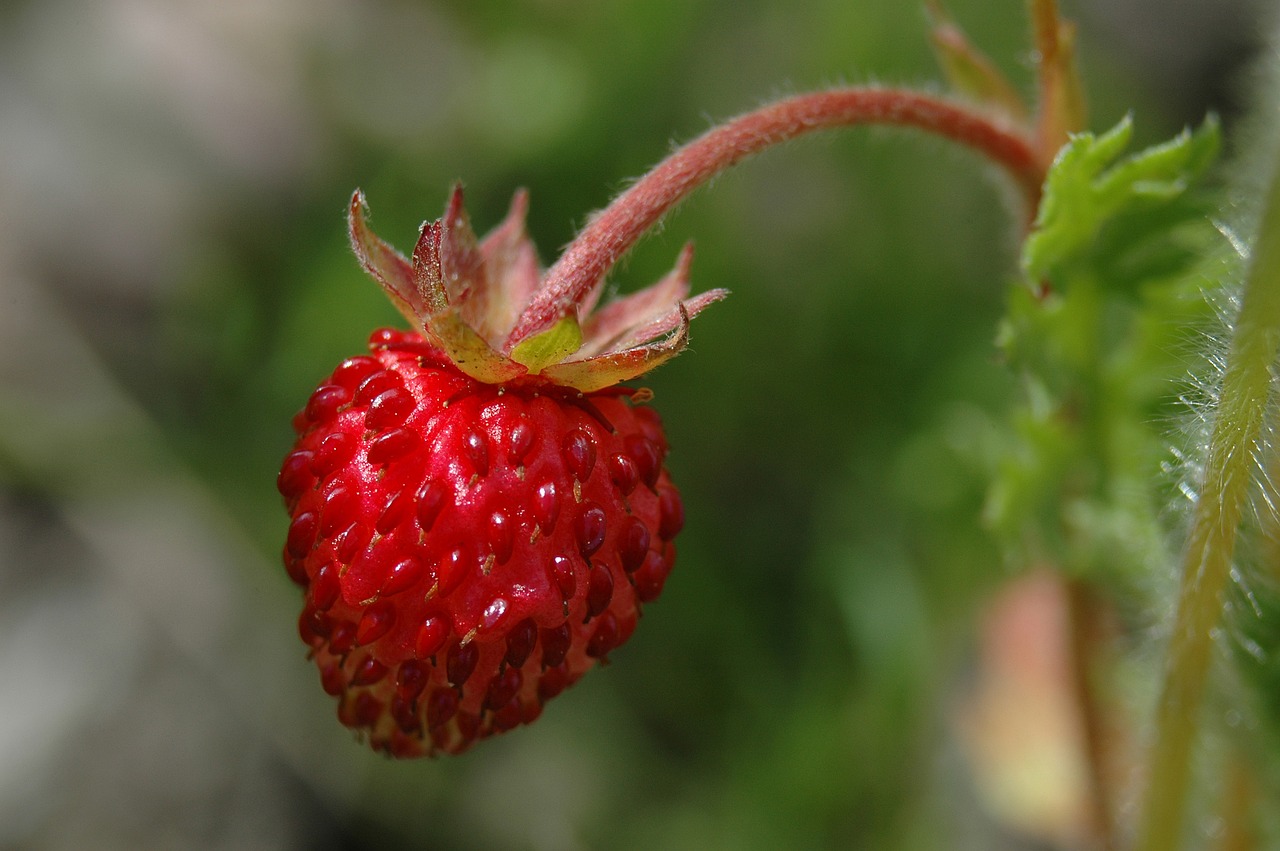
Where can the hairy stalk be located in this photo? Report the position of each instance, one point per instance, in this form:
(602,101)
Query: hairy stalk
(1224,493)
(612,232)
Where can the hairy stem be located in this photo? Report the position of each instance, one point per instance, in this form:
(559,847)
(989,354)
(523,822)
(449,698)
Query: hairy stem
(613,232)
(1228,481)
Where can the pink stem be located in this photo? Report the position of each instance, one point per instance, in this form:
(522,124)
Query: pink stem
(611,233)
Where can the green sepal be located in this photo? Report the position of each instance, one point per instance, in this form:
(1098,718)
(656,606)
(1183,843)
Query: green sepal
(604,371)
(468,350)
(970,72)
(551,346)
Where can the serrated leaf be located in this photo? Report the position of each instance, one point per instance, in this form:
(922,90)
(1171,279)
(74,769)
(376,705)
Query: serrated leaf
(1087,189)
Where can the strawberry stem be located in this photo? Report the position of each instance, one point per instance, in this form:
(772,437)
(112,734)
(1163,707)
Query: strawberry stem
(615,230)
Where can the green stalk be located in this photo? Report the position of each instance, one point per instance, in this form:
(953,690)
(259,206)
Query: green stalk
(1226,489)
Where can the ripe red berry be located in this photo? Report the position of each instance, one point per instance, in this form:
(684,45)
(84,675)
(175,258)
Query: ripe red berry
(477,520)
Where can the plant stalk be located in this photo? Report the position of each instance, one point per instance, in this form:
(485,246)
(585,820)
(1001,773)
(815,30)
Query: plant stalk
(1240,794)
(1088,636)
(613,231)
(1229,479)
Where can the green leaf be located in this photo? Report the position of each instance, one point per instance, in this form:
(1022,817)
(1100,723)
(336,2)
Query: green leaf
(1122,241)
(1087,190)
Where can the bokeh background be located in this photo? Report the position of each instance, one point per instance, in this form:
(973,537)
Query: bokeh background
(175,277)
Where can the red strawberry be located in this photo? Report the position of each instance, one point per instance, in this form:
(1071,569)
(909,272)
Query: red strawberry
(476,520)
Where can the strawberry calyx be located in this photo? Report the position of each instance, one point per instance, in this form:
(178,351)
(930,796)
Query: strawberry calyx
(464,296)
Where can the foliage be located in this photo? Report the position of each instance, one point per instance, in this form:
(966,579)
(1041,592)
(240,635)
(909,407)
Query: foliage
(1101,333)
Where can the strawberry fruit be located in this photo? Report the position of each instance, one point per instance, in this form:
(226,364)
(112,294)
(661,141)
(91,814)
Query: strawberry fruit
(478,506)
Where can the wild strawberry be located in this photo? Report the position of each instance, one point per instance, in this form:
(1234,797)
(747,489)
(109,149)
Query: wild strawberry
(478,508)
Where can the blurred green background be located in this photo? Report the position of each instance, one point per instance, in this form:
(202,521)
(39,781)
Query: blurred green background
(175,278)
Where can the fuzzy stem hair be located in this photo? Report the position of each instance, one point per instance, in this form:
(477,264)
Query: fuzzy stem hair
(1227,487)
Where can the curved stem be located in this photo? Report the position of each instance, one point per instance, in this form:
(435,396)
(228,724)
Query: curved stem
(611,233)
(1229,479)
